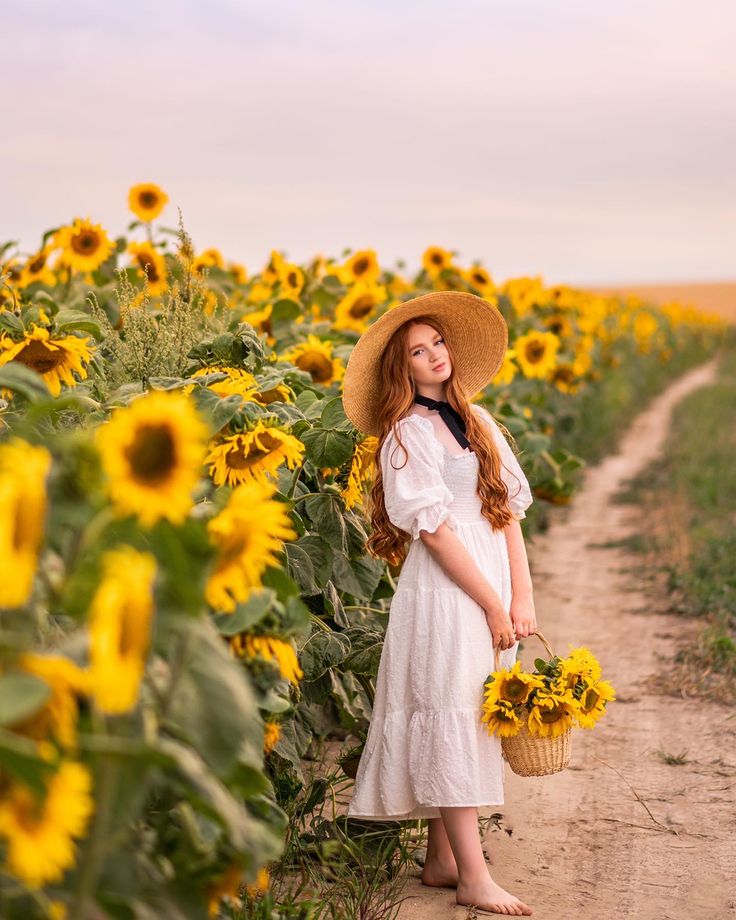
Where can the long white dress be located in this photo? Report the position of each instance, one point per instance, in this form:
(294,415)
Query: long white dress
(426,745)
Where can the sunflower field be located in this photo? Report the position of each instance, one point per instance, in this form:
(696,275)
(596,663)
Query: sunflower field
(186,604)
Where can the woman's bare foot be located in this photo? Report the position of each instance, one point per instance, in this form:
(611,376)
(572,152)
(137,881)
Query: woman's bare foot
(487,896)
(439,874)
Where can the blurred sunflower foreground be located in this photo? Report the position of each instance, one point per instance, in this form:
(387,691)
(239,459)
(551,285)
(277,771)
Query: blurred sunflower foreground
(186,601)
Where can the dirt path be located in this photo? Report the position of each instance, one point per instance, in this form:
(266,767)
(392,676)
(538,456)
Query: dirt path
(634,836)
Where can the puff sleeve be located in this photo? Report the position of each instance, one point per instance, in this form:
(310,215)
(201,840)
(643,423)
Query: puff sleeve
(415,493)
(520,493)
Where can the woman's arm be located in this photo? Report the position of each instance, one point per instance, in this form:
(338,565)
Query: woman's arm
(446,548)
(522,612)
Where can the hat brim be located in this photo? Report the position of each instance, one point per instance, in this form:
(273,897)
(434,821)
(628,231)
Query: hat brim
(476,333)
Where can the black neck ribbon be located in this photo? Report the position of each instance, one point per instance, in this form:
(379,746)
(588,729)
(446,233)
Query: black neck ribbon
(449,416)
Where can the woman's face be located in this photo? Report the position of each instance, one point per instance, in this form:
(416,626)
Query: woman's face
(428,357)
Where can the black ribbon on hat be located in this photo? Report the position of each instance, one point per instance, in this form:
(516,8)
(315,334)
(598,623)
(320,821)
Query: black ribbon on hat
(450,416)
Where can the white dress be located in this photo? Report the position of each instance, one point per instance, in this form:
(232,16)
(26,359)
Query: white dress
(426,745)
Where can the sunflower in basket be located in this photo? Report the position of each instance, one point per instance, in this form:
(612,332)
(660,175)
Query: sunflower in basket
(506,694)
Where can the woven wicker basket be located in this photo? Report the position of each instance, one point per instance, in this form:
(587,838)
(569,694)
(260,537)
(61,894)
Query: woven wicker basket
(530,755)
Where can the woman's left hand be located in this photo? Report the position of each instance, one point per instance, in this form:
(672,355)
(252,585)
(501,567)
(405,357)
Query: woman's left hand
(523,616)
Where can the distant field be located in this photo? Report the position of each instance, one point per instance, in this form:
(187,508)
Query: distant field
(713,297)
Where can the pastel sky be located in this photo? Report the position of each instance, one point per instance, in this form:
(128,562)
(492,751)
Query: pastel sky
(587,142)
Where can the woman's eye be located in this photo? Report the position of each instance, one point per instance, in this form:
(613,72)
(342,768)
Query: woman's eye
(415,353)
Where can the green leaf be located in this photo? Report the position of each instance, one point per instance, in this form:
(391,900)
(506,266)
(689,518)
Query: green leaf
(68,320)
(246,615)
(20,757)
(323,650)
(21,379)
(365,654)
(10,322)
(333,415)
(21,696)
(327,447)
(325,511)
(301,568)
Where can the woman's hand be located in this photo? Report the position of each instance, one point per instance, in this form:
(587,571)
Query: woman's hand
(501,627)
(523,616)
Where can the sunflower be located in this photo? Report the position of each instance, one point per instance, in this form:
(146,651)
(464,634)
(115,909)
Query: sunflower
(500,717)
(359,305)
(238,271)
(315,357)
(151,264)
(276,264)
(147,201)
(248,533)
(561,325)
(37,269)
(23,472)
(523,293)
(582,663)
(238,382)
(120,628)
(291,278)
(54,358)
(511,686)
(152,452)
(564,378)
(479,278)
(593,702)
(398,285)
(552,713)
(271,648)
(361,470)
(508,369)
(59,715)
(435,260)
(40,834)
(253,454)
(271,735)
(209,258)
(85,245)
(361,266)
(536,353)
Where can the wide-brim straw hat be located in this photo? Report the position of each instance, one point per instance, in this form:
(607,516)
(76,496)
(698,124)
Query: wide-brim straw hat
(475,331)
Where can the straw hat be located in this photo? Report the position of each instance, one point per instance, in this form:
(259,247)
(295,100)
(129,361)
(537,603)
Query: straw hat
(476,333)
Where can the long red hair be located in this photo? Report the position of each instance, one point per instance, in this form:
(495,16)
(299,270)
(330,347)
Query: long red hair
(386,540)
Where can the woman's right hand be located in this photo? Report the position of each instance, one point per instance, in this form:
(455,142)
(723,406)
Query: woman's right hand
(501,627)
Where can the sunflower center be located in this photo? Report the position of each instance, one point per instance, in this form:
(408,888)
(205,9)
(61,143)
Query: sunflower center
(40,358)
(360,267)
(480,279)
(552,715)
(292,280)
(35,265)
(144,260)
(86,242)
(362,306)
(590,699)
(535,352)
(504,715)
(237,459)
(128,633)
(515,689)
(319,366)
(152,454)
(29,812)
(148,199)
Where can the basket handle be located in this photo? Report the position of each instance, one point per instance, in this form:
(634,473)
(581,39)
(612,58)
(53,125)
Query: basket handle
(539,636)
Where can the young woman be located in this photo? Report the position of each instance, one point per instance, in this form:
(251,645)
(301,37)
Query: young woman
(448,484)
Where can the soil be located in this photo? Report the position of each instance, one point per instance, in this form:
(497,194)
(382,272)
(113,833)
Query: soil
(621,832)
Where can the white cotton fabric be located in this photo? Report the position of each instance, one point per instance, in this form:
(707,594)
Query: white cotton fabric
(426,746)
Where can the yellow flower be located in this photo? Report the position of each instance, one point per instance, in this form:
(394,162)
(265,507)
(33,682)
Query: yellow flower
(563,377)
(85,245)
(292,280)
(435,260)
(60,713)
(359,305)
(536,353)
(152,452)
(55,359)
(593,702)
(523,293)
(147,201)
(508,369)
(361,469)
(238,271)
(40,835)
(120,628)
(248,533)
(225,886)
(361,266)
(511,686)
(271,735)
(478,278)
(276,264)
(500,717)
(151,264)
(237,383)
(253,454)
(315,357)
(583,663)
(271,648)
(23,472)
(37,269)
(552,713)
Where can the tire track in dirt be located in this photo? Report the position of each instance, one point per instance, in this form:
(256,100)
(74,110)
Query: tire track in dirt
(620,833)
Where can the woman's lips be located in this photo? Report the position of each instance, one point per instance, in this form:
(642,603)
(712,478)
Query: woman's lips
(439,367)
